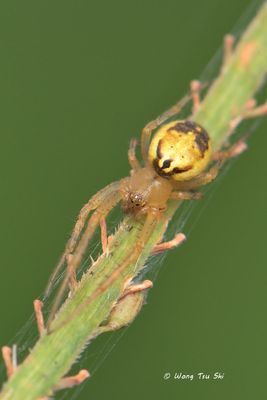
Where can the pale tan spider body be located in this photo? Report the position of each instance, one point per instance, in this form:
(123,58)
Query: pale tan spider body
(174,164)
(175,161)
(178,153)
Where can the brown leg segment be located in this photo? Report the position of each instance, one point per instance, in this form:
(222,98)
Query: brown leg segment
(196,86)
(235,150)
(195,93)
(64,383)
(147,130)
(101,212)
(186,195)
(7,357)
(254,112)
(100,197)
(134,163)
(104,237)
(109,201)
(139,287)
(176,241)
(38,306)
(229,41)
(70,381)
(250,111)
(206,177)
(131,257)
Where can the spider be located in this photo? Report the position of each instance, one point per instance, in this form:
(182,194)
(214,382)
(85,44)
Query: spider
(175,164)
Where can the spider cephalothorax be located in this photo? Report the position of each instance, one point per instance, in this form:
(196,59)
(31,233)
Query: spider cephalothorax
(145,191)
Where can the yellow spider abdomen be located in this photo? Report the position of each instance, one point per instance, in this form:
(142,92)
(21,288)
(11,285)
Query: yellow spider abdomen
(180,150)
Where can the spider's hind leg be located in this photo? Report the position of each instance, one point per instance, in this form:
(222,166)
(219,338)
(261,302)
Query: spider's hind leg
(147,130)
(195,88)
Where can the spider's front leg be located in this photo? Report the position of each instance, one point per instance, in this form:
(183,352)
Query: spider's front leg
(99,198)
(107,199)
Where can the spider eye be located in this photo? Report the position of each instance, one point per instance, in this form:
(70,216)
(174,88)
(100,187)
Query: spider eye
(180,150)
(137,199)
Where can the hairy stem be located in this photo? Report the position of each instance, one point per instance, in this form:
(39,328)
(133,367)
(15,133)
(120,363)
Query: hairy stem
(54,353)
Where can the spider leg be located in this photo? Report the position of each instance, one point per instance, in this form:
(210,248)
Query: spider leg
(92,204)
(134,163)
(176,241)
(104,236)
(99,215)
(195,87)
(67,381)
(136,288)
(228,44)
(127,307)
(185,195)
(74,260)
(38,306)
(200,180)
(130,258)
(251,110)
(8,357)
(233,151)
(257,111)
(145,232)
(131,289)
(147,130)
(132,299)
(206,177)
(150,221)
(70,381)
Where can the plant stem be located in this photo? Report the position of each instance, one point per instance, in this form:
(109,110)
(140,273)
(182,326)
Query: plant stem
(54,353)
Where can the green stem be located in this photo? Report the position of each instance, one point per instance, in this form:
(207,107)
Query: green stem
(55,353)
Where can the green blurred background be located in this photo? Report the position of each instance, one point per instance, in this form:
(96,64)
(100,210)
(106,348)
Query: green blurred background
(78,80)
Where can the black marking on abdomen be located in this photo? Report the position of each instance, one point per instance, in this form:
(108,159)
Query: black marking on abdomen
(174,171)
(166,163)
(178,170)
(159,153)
(185,127)
(202,141)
